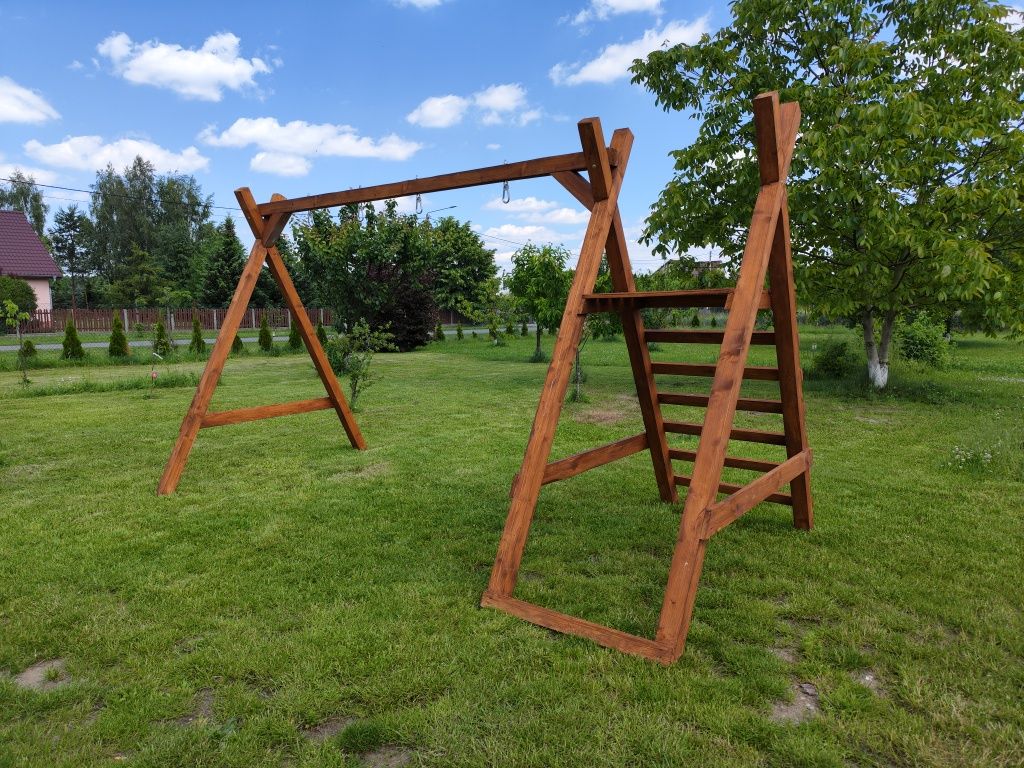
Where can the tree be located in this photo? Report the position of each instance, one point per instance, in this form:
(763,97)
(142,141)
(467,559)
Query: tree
(294,337)
(13,316)
(138,283)
(118,346)
(265,339)
(22,194)
(17,290)
(907,180)
(539,283)
(462,266)
(69,245)
(236,345)
(224,267)
(197,345)
(321,333)
(162,346)
(71,345)
(350,355)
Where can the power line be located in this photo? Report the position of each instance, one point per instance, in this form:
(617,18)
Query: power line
(97,192)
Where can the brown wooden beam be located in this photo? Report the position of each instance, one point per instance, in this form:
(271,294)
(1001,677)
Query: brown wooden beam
(746,435)
(687,336)
(711,297)
(754,372)
(777,498)
(757,405)
(750,495)
(525,169)
(581,462)
(736,462)
(239,415)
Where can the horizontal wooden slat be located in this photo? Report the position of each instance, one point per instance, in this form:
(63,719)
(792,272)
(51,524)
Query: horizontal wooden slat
(757,372)
(595,457)
(709,297)
(736,462)
(747,435)
(561,622)
(757,405)
(687,336)
(524,169)
(239,415)
(731,488)
(745,498)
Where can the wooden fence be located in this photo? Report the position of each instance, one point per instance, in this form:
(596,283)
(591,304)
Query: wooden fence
(54,320)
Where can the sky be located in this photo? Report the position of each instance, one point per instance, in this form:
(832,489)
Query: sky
(301,98)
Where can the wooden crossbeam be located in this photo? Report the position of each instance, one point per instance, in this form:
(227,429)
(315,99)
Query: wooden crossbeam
(687,336)
(617,301)
(595,457)
(745,435)
(745,498)
(735,462)
(757,405)
(733,488)
(239,415)
(756,372)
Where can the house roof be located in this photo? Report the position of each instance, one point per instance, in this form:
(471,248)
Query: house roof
(22,253)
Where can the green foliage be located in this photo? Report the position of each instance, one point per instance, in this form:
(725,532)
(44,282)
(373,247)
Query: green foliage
(161,343)
(118,346)
(197,344)
(350,356)
(714,321)
(224,267)
(27,350)
(524,331)
(439,333)
(361,737)
(510,329)
(22,194)
(458,332)
(70,240)
(834,359)
(72,347)
(18,291)
(695,320)
(321,333)
(475,334)
(539,283)
(461,266)
(923,341)
(907,181)
(294,337)
(266,339)
(236,345)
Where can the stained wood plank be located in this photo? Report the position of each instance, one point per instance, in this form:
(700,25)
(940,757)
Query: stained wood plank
(777,498)
(757,405)
(735,462)
(745,498)
(687,336)
(524,169)
(239,415)
(768,131)
(576,186)
(746,435)
(571,625)
(583,461)
(594,150)
(618,301)
(755,372)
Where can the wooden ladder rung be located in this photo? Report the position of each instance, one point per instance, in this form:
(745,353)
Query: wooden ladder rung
(731,488)
(239,415)
(618,302)
(686,336)
(759,372)
(758,405)
(747,435)
(736,462)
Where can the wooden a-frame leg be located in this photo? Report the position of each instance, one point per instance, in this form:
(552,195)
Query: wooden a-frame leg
(787,347)
(192,422)
(538,449)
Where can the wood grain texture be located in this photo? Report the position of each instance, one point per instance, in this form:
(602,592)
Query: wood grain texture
(709,297)
(723,487)
(756,405)
(594,150)
(745,435)
(745,498)
(755,372)
(735,462)
(239,415)
(687,336)
(768,130)
(578,463)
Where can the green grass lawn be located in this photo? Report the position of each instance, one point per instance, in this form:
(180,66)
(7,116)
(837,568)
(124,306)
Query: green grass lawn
(300,603)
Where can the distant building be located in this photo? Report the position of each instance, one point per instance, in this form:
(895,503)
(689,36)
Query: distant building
(22,254)
(698,265)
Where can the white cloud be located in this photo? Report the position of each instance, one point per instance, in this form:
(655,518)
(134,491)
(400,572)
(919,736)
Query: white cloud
(494,146)
(601,9)
(421,4)
(40,175)
(559,216)
(195,74)
(20,105)
(75,65)
(526,232)
(1014,17)
(439,111)
(90,153)
(282,145)
(614,61)
(280,163)
(501,98)
(520,205)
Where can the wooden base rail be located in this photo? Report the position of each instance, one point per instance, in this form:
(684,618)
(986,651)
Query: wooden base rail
(239,415)
(711,297)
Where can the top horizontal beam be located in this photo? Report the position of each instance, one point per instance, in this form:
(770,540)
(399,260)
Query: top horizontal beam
(524,169)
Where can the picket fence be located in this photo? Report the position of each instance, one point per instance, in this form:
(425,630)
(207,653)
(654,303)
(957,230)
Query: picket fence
(54,320)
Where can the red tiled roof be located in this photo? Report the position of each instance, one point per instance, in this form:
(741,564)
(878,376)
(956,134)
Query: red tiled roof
(22,253)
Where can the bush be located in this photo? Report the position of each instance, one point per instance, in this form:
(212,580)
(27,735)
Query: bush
(438,333)
(72,346)
(197,344)
(236,345)
(321,334)
(833,360)
(492,330)
(474,334)
(458,332)
(266,341)
(510,330)
(294,337)
(523,330)
(350,356)
(18,291)
(923,341)
(27,350)
(161,344)
(118,346)
(139,329)
(714,322)
(695,320)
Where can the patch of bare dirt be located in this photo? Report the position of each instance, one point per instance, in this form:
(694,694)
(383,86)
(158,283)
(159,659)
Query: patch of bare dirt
(601,416)
(360,472)
(802,708)
(388,756)
(787,655)
(869,680)
(44,676)
(201,712)
(330,727)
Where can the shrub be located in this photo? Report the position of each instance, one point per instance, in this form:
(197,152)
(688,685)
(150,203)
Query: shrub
(236,345)
(197,344)
(492,330)
(458,332)
(695,320)
(438,333)
(510,330)
(294,337)
(139,329)
(523,330)
(266,341)
(714,321)
(923,341)
(18,291)
(321,334)
(27,350)
(833,360)
(71,345)
(118,346)
(350,356)
(161,344)
(474,334)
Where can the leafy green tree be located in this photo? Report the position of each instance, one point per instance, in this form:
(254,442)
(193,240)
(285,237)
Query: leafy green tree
(439,333)
(236,345)
(22,194)
(350,356)
(69,245)
(266,339)
(539,283)
(13,316)
(71,345)
(197,344)
(118,346)
(459,334)
(461,264)
(18,291)
(139,283)
(294,337)
(161,343)
(907,180)
(321,333)
(224,266)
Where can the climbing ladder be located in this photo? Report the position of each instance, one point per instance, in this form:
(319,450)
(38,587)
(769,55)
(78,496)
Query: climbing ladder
(766,255)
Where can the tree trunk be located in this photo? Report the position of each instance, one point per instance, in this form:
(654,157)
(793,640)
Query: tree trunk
(878,352)
(577,377)
(74,293)
(540,331)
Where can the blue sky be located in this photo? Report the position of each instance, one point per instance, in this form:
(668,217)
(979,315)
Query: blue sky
(298,99)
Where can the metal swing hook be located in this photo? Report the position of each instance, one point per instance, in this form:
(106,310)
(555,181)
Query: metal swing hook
(506,196)
(419,205)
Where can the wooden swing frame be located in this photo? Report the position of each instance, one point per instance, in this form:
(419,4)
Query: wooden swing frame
(766,255)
